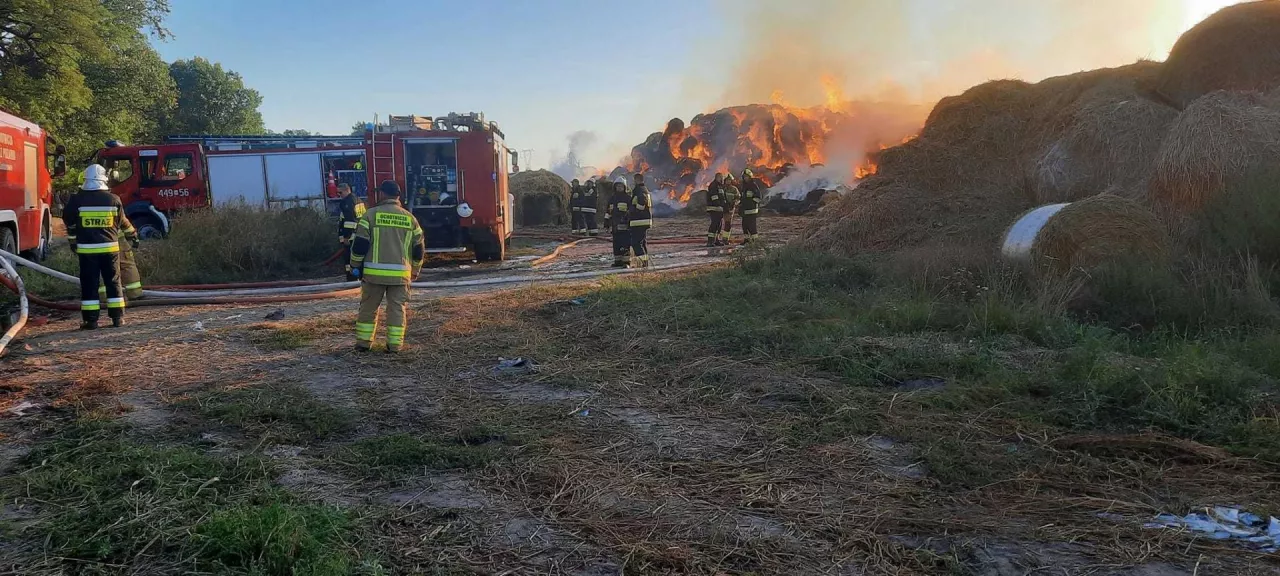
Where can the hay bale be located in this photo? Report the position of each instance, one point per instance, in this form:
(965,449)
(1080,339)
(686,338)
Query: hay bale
(697,204)
(1237,49)
(1219,138)
(541,198)
(1110,139)
(1085,234)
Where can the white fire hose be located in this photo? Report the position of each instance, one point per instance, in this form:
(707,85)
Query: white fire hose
(23,307)
(338,286)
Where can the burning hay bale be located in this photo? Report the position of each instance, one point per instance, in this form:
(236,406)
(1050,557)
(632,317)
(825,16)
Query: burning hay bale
(1110,139)
(697,204)
(541,198)
(1083,235)
(1219,138)
(1237,49)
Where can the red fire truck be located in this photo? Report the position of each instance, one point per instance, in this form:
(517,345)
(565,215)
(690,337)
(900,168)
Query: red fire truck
(453,170)
(26,155)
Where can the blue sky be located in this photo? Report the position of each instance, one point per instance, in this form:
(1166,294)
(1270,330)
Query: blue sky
(544,69)
(541,69)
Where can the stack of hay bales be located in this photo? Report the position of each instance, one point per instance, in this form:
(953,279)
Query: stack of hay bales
(1162,139)
(541,198)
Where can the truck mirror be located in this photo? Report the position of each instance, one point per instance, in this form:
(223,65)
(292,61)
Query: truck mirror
(515,161)
(59,165)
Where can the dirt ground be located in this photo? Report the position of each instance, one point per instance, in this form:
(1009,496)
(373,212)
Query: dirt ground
(604,459)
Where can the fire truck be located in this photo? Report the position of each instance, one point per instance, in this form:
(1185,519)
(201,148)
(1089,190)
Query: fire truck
(453,170)
(29,159)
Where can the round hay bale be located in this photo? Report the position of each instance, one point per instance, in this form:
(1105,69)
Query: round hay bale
(1237,49)
(1111,140)
(542,198)
(1218,139)
(697,204)
(1085,234)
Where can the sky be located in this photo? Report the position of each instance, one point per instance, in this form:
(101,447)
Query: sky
(546,69)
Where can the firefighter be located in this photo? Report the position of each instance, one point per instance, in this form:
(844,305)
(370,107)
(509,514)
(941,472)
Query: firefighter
(350,209)
(639,219)
(130,278)
(616,214)
(731,195)
(575,207)
(715,209)
(386,256)
(96,223)
(589,204)
(749,208)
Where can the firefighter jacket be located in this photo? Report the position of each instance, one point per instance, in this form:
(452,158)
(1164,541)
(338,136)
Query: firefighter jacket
(389,245)
(640,214)
(351,211)
(96,222)
(731,196)
(752,195)
(715,197)
(619,207)
(589,199)
(575,197)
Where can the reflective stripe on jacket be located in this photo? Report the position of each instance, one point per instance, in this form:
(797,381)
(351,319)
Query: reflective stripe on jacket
(389,244)
(751,197)
(96,222)
(715,197)
(641,213)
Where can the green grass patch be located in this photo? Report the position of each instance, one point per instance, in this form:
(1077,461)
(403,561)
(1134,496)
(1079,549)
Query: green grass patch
(399,454)
(106,501)
(284,413)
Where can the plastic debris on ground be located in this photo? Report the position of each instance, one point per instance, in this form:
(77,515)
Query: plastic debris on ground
(277,315)
(1226,523)
(21,408)
(514,366)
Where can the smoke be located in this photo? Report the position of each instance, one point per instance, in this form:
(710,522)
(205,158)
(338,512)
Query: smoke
(570,165)
(921,50)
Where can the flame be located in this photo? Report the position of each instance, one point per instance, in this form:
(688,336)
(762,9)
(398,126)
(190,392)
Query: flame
(771,140)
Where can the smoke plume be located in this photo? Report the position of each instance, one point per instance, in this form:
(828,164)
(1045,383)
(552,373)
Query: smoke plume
(570,165)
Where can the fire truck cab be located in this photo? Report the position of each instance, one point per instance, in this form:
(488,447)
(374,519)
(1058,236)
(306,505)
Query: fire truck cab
(453,173)
(29,160)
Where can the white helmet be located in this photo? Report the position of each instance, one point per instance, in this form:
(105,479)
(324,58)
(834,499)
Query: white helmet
(95,178)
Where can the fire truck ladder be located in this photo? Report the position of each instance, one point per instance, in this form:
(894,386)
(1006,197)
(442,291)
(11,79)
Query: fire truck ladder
(390,141)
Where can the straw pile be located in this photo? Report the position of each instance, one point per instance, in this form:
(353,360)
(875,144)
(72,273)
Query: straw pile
(697,204)
(1235,49)
(541,198)
(1218,139)
(1099,230)
(1110,139)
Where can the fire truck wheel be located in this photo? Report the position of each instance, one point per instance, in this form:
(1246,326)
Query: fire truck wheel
(149,228)
(8,242)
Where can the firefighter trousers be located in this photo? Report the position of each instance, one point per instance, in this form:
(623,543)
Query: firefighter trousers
(714,227)
(750,227)
(621,247)
(589,223)
(371,297)
(130,279)
(727,233)
(576,220)
(95,269)
(639,246)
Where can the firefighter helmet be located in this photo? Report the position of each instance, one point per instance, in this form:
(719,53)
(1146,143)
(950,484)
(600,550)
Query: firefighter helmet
(621,181)
(746,173)
(95,178)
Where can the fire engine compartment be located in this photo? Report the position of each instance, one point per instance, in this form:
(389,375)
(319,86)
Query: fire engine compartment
(433,190)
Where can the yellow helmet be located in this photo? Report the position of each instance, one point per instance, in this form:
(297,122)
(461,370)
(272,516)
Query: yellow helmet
(747,173)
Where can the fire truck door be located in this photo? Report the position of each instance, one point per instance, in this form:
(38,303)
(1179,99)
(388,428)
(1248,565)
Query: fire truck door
(31,175)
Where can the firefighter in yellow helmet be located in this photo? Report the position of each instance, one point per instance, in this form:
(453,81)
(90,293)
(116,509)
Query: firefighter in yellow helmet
(749,208)
(386,255)
(96,223)
(616,215)
(350,209)
(639,219)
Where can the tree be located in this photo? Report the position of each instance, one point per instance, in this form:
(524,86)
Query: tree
(212,100)
(296,132)
(357,129)
(70,65)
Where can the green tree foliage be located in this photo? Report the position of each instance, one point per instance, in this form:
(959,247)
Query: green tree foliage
(212,100)
(84,68)
(357,129)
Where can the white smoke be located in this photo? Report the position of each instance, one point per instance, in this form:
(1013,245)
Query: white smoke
(802,181)
(570,165)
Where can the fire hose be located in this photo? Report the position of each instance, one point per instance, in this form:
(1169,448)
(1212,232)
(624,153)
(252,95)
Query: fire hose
(23,306)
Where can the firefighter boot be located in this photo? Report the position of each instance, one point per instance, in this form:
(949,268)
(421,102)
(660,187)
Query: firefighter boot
(89,320)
